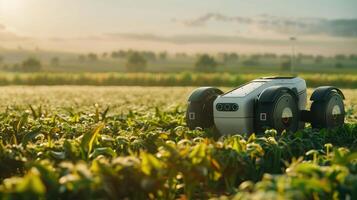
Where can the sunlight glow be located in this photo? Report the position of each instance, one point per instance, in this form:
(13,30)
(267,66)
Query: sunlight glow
(11,7)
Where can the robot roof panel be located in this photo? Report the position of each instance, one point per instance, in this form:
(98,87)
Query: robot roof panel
(279,77)
(245,89)
(258,85)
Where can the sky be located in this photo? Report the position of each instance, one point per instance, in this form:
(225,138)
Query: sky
(180,25)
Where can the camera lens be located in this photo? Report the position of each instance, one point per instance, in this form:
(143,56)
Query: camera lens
(227,107)
(219,107)
(235,107)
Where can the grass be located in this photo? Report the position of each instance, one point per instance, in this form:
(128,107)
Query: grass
(71,142)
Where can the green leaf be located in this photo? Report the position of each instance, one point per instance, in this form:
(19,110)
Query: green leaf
(103,151)
(71,149)
(89,138)
(198,153)
(58,155)
(31,183)
(104,113)
(34,114)
(351,157)
(252,138)
(21,122)
(149,162)
(30,136)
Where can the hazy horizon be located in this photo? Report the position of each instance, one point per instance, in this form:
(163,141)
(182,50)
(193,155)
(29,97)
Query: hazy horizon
(321,26)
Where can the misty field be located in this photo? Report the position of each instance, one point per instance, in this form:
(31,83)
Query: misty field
(85,142)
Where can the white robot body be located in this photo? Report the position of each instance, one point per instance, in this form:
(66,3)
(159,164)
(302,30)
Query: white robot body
(233,111)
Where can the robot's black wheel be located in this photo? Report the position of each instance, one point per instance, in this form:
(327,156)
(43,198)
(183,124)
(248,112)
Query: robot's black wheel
(280,114)
(328,112)
(200,107)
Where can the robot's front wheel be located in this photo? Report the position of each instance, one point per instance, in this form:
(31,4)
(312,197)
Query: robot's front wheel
(328,112)
(280,114)
(200,107)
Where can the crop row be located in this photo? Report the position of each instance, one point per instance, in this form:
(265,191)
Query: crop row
(162,79)
(141,155)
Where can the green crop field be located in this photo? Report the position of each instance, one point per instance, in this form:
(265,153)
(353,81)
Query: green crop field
(89,142)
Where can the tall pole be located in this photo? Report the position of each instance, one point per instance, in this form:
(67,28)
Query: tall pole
(292,57)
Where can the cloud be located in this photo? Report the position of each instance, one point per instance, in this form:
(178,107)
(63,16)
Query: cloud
(284,25)
(83,38)
(182,39)
(202,20)
(176,39)
(186,39)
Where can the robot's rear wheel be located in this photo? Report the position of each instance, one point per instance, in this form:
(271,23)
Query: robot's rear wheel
(280,114)
(328,112)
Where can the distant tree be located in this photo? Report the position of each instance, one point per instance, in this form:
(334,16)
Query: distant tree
(233,56)
(123,54)
(136,62)
(305,56)
(17,67)
(251,62)
(31,65)
(92,57)
(230,57)
(5,68)
(119,54)
(319,59)
(285,56)
(339,65)
(1,59)
(340,57)
(148,55)
(104,55)
(353,57)
(114,54)
(205,63)
(270,55)
(81,58)
(163,55)
(55,61)
(180,55)
(285,65)
(256,56)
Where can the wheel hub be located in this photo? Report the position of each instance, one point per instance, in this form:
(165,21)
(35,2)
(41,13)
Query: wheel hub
(336,111)
(286,115)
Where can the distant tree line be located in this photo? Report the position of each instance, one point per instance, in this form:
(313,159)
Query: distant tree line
(148,55)
(30,64)
(138,61)
(205,63)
